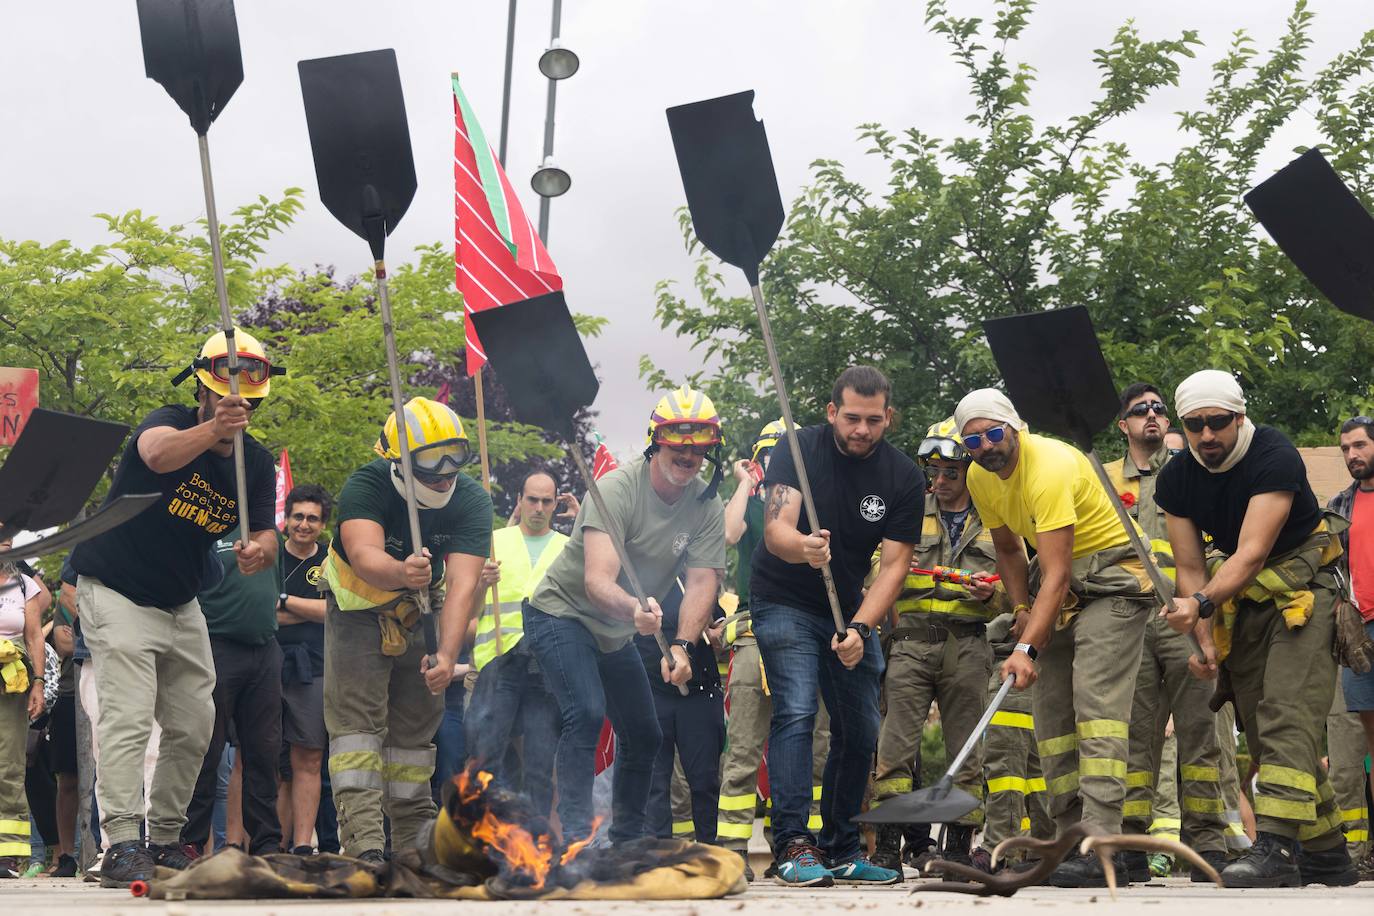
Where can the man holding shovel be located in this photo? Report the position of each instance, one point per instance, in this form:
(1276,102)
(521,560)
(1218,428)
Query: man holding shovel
(1091,602)
(872,495)
(1264,610)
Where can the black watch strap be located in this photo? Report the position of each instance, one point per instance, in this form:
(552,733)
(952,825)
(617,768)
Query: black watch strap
(686,644)
(1205,607)
(863,629)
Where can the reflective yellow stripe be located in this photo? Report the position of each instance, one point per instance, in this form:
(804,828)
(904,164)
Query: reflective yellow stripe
(816,793)
(1284,809)
(814,823)
(1101,766)
(1007,784)
(1136,809)
(1060,745)
(1025,824)
(1063,785)
(1203,805)
(1350,815)
(14,828)
(1287,776)
(1357,836)
(1102,728)
(351,591)
(1165,823)
(882,788)
(15,849)
(1013,720)
(1324,824)
(1035,785)
(737,803)
(1139,779)
(681,827)
(400,772)
(735,831)
(1200,774)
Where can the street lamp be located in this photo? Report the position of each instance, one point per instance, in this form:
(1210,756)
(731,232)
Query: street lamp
(550,181)
(558,62)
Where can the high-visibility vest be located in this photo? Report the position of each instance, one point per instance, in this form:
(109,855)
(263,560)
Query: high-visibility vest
(351,591)
(1138,496)
(518,581)
(922,594)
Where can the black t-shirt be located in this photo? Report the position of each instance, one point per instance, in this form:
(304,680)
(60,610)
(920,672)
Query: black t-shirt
(1216,503)
(861,501)
(300,579)
(162,556)
(705,674)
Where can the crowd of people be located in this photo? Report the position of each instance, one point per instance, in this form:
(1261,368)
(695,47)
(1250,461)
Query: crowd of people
(199,665)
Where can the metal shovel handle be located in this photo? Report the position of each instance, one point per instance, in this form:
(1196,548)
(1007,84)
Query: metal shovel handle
(981,727)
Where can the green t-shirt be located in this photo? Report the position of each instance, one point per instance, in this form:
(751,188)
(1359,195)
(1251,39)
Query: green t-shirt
(752,537)
(662,541)
(534,546)
(462,526)
(241,608)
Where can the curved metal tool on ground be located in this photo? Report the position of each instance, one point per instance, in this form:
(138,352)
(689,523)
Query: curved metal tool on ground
(536,351)
(1058,380)
(732,192)
(941,803)
(360,140)
(191,47)
(46,482)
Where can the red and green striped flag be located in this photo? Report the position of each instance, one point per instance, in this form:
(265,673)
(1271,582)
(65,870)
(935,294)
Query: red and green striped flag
(499,258)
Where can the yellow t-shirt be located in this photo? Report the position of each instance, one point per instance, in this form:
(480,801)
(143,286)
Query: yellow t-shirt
(1053,486)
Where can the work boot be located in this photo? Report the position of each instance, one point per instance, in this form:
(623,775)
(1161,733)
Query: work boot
(172,855)
(1137,866)
(958,841)
(1271,861)
(919,854)
(1215,858)
(9,867)
(126,863)
(1086,871)
(748,871)
(887,847)
(372,857)
(1330,867)
(1364,869)
(65,868)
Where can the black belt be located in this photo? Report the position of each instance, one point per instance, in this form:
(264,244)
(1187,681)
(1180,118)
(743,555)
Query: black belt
(938,632)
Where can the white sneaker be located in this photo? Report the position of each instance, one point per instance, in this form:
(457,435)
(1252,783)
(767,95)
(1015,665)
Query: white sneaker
(93,872)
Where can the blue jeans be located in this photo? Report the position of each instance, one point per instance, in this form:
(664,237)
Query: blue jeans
(591,686)
(795,645)
(511,699)
(450,748)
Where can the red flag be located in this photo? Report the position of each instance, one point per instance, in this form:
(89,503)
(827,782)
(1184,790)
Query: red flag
(443,393)
(498,257)
(603,462)
(283,488)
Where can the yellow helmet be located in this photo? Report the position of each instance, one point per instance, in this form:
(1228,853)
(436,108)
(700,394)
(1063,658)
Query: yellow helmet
(684,417)
(211,367)
(942,441)
(438,444)
(768,437)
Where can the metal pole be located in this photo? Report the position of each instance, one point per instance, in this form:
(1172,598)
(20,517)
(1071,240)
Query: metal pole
(618,541)
(548,126)
(227,322)
(981,727)
(795,448)
(486,483)
(505,95)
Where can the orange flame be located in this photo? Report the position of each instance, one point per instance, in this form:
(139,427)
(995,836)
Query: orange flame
(525,853)
(575,848)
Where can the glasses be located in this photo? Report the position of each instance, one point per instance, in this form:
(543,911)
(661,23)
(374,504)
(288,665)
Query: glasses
(946,473)
(427,478)
(1155,407)
(1216,422)
(253,369)
(699,450)
(442,459)
(994,435)
(939,446)
(302,517)
(677,435)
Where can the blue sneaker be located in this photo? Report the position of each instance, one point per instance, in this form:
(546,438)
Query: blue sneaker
(861,871)
(799,865)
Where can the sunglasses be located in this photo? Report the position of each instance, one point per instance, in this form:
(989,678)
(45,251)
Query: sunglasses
(993,436)
(1155,407)
(302,517)
(946,473)
(1215,422)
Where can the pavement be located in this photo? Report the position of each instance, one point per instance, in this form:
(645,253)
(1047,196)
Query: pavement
(1174,896)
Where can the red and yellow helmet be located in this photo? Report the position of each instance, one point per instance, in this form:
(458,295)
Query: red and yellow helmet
(684,417)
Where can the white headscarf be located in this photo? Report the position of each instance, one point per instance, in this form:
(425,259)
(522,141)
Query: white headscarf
(986,404)
(1214,388)
(425,498)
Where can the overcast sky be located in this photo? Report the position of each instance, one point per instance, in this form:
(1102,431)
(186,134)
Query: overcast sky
(87,132)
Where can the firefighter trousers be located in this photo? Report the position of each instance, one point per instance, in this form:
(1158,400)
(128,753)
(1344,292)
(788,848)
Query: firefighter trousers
(1346,747)
(1016,799)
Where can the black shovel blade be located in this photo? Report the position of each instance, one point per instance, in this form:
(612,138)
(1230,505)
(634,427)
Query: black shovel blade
(361,142)
(53,468)
(191,47)
(115,512)
(938,804)
(1323,228)
(534,348)
(1054,372)
(727,172)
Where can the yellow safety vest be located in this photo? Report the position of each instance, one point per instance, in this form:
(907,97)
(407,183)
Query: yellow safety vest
(518,581)
(921,594)
(1139,500)
(351,591)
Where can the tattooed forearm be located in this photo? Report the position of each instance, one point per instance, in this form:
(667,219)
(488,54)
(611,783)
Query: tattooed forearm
(778,496)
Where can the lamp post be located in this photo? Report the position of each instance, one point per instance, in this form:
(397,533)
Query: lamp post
(549,181)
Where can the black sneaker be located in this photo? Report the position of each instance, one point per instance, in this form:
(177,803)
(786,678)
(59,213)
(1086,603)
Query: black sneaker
(65,868)
(748,870)
(126,863)
(1331,867)
(1086,871)
(1269,862)
(9,867)
(1137,866)
(172,855)
(302,850)
(1215,858)
(372,857)
(919,854)
(887,847)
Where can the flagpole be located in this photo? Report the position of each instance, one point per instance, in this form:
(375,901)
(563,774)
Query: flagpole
(486,482)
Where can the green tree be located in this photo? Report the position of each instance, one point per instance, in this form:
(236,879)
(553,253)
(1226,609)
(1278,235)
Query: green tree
(1018,216)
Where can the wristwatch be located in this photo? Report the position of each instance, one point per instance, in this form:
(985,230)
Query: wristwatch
(864,630)
(281,602)
(1205,607)
(1027,648)
(686,644)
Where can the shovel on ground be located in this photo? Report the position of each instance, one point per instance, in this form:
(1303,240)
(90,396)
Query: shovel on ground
(535,350)
(45,482)
(360,140)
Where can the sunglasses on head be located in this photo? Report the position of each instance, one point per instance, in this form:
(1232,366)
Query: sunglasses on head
(946,473)
(993,436)
(1216,422)
(1155,407)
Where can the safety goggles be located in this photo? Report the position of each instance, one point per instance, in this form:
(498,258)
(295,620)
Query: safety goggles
(440,460)
(1216,422)
(946,473)
(253,369)
(701,450)
(939,447)
(680,434)
(1155,407)
(993,436)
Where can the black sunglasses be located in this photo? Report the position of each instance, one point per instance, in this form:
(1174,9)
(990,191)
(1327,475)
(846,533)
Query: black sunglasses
(1155,407)
(946,473)
(1216,422)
